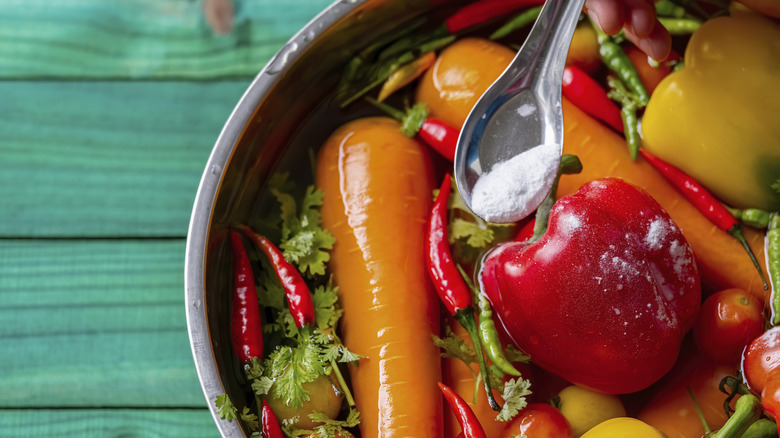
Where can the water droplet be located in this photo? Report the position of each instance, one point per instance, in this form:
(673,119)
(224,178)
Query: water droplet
(282,58)
(215,169)
(196,304)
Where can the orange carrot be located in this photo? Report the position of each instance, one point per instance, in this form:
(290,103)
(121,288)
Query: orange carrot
(378,187)
(722,261)
(457,376)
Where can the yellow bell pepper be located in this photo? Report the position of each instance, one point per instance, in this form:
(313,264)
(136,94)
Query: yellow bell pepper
(623,427)
(718,118)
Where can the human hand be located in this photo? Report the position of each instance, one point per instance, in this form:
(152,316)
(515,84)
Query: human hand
(638,20)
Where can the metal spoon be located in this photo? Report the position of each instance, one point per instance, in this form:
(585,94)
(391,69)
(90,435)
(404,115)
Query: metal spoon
(519,112)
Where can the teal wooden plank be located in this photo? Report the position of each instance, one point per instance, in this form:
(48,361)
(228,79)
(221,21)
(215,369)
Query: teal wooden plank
(127,423)
(106,158)
(97,323)
(142,38)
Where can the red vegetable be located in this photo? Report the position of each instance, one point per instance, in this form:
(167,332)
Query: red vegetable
(270,424)
(442,137)
(452,289)
(481,11)
(727,322)
(761,369)
(246,325)
(604,297)
(538,420)
(584,92)
(295,289)
(705,202)
(469,422)
(451,286)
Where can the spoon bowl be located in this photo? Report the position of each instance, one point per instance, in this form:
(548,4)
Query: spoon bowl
(510,146)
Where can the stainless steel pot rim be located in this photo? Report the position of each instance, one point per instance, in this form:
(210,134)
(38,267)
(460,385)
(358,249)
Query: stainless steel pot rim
(202,212)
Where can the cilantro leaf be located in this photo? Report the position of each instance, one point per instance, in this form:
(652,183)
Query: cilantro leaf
(326,314)
(475,235)
(330,427)
(514,394)
(514,355)
(776,186)
(225,408)
(453,346)
(290,367)
(250,419)
(262,385)
(254,369)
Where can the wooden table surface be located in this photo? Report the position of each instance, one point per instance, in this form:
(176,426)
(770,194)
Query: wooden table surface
(108,112)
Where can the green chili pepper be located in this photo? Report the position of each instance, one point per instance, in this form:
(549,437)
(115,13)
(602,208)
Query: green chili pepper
(628,109)
(522,20)
(489,337)
(617,61)
(680,26)
(488,334)
(763,428)
(667,8)
(773,256)
(753,217)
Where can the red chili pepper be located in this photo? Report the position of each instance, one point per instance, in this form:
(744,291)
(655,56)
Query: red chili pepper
(482,11)
(586,94)
(442,137)
(246,325)
(295,288)
(270,424)
(468,421)
(705,202)
(451,287)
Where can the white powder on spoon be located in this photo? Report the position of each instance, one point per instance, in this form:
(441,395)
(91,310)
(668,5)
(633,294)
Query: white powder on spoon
(512,190)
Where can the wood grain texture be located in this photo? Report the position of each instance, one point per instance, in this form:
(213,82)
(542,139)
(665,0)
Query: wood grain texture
(94,323)
(142,39)
(107,423)
(106,158)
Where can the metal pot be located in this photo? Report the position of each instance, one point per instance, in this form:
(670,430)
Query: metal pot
(286,110)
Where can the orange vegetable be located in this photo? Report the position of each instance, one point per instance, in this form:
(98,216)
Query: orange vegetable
(378,187)
(722,262)
(457,376)
(584,49)
(672,410)
(462,72)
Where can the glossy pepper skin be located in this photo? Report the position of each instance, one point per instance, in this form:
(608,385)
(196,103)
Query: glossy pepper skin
(728,90)
(604,297)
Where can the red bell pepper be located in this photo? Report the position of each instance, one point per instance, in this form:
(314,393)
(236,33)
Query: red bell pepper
(604,297)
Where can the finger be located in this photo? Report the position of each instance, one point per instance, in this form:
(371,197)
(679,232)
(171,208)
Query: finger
(640,17)
(657,45)
(608,15)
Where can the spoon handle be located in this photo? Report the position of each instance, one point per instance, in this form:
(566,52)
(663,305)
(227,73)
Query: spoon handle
(543,55)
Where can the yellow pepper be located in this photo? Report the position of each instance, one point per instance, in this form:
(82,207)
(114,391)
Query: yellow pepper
(623,427)
(718,118)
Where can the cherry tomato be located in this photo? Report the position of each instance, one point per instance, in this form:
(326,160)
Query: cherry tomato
(650,73)
(538,420)
(762,359)
(727,322)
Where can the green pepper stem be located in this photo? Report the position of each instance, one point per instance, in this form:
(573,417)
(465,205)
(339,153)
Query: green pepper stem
(466,319)
(736,231)
(747,410)
(570,164)
(773,260)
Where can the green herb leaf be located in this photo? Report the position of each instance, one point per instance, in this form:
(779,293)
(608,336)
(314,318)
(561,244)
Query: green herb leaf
(290,367)
(776,186)
(254,369)
(330,427)
(326,314)
(475,235)
(454,346)
(262,385)
(225,408)
(250,419)
(515,391)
